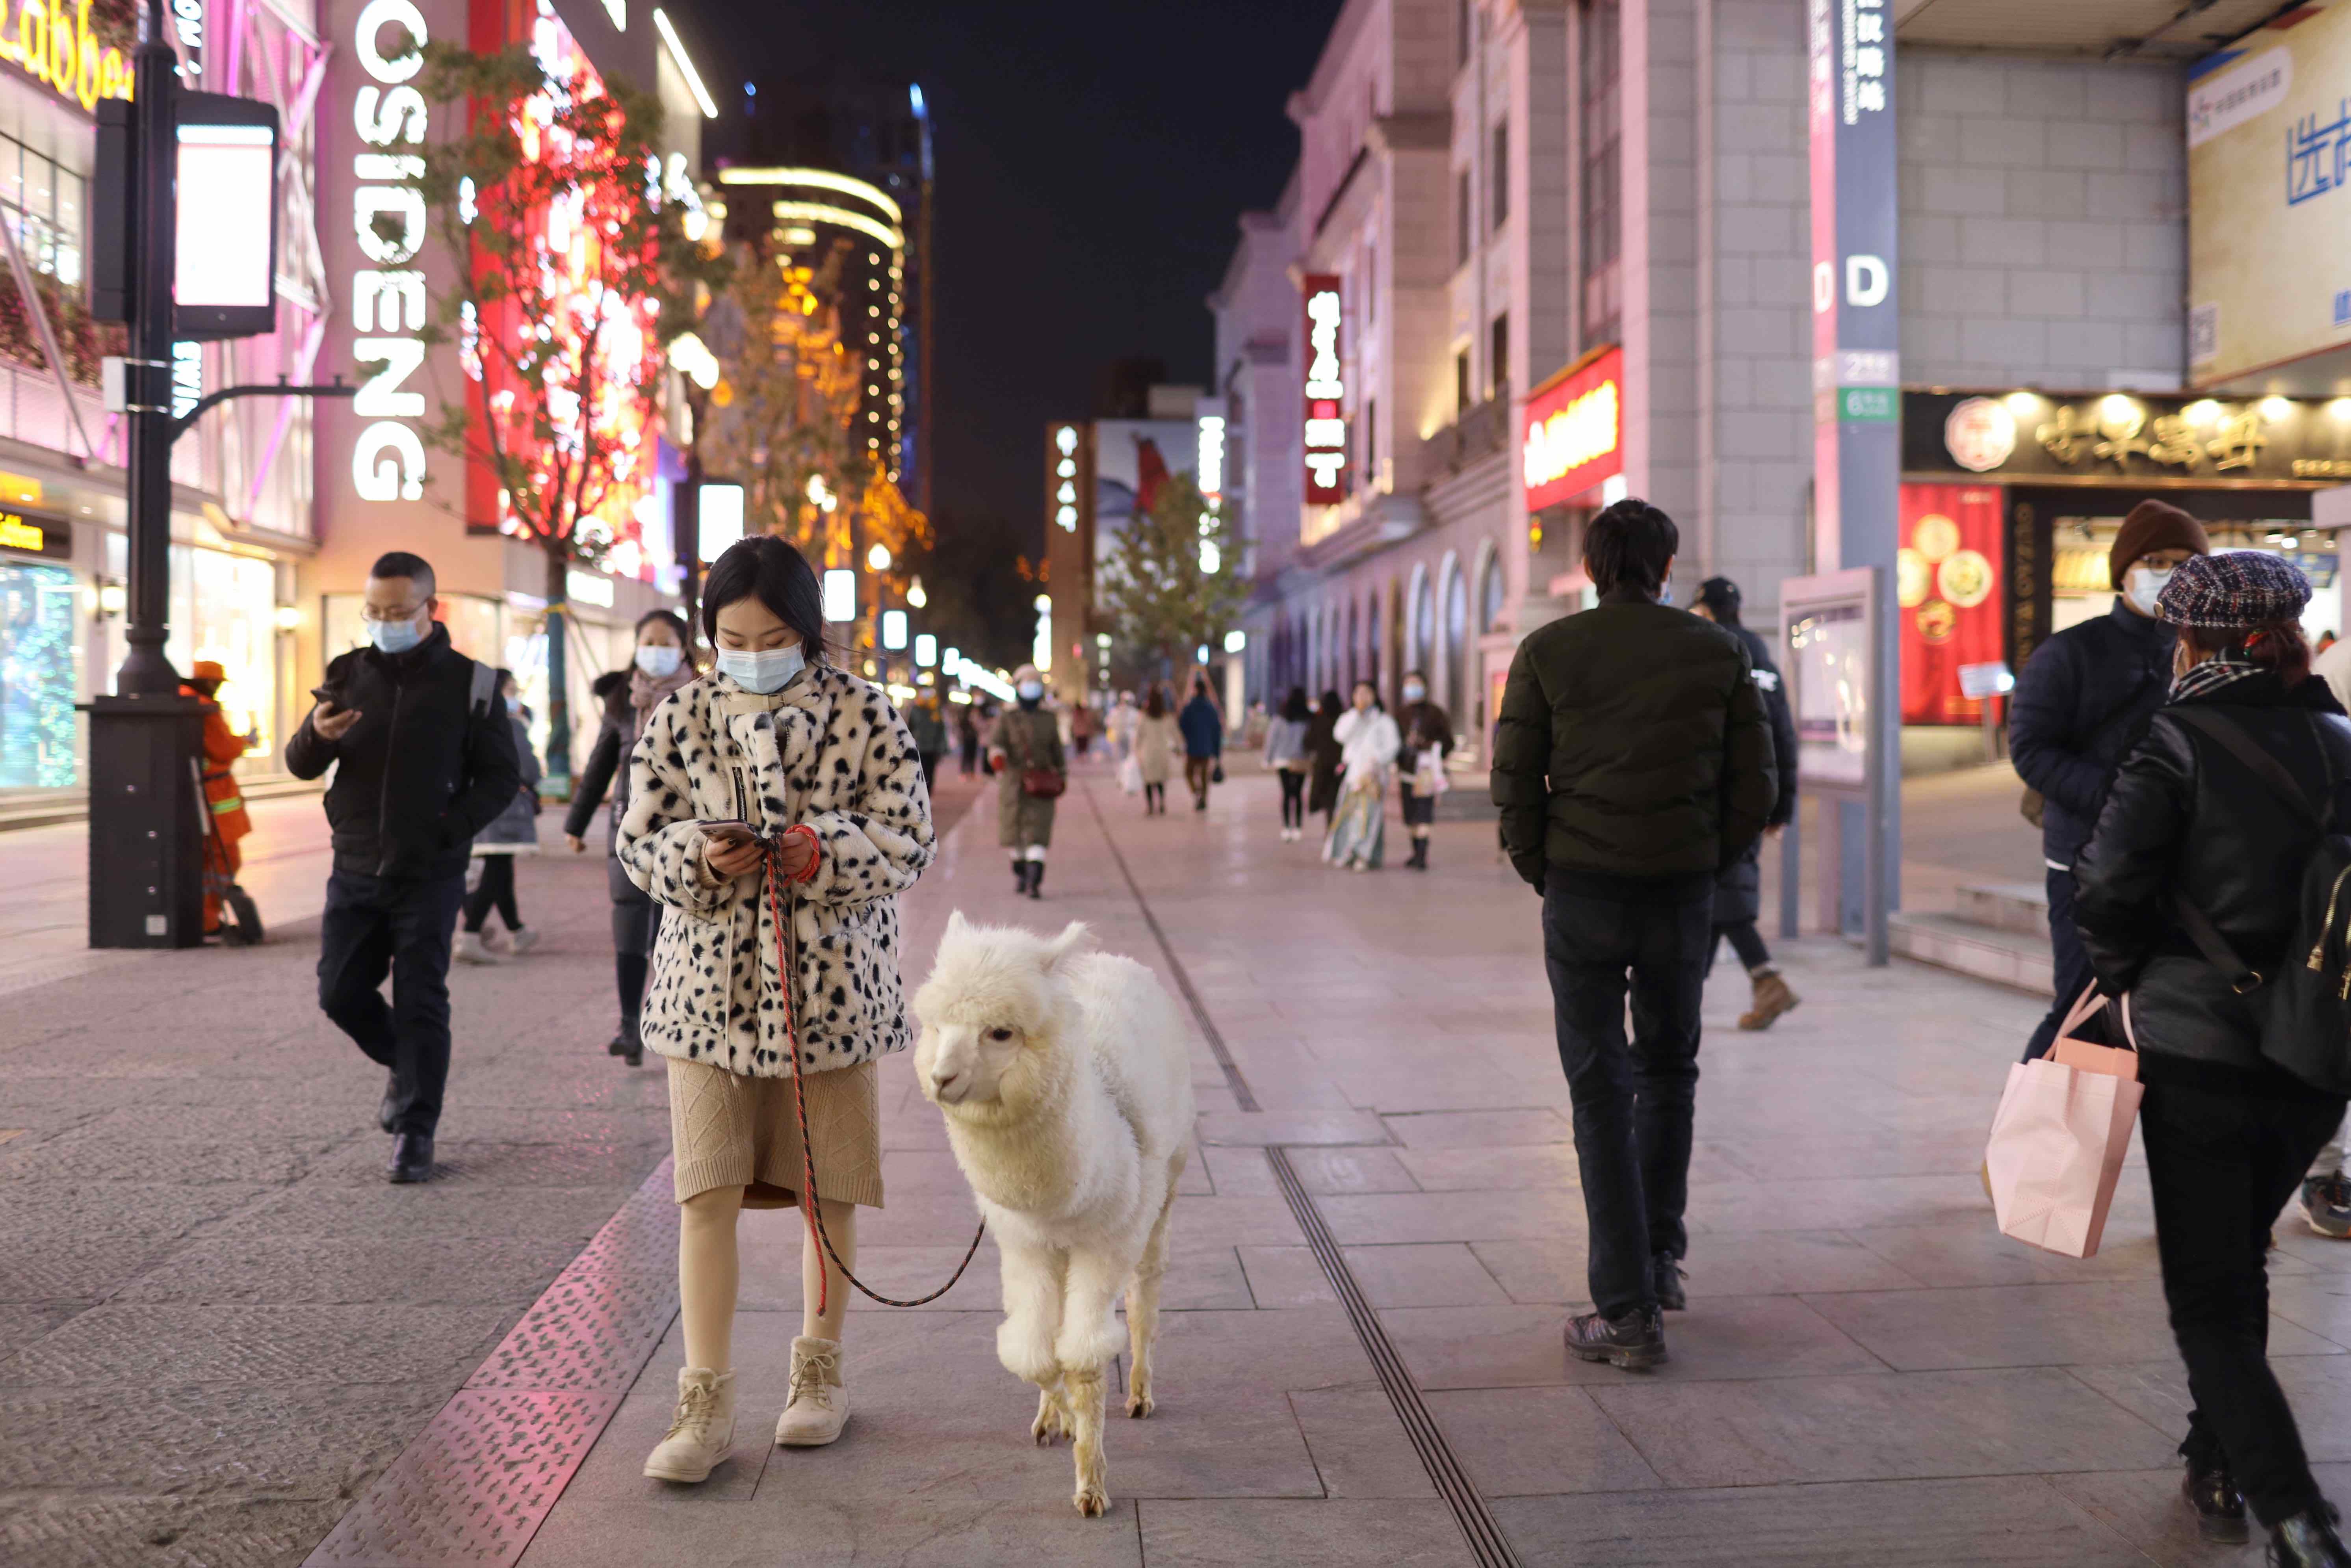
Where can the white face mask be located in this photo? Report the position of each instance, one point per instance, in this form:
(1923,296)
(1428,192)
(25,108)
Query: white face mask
(2142,583)
(1032,691)
(1414,691)
(659,660)
(770,671)
(394,636)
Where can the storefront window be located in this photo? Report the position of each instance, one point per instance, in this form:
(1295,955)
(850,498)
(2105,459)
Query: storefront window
(234,624)
(2082,590)
(1599,45)
(39,676)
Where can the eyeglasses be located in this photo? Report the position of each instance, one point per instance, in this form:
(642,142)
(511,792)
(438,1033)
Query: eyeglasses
(369,612)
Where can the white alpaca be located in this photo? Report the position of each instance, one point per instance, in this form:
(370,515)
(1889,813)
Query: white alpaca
(1067,1088)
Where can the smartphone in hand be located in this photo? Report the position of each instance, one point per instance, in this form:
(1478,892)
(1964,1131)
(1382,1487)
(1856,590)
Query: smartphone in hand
(731,833)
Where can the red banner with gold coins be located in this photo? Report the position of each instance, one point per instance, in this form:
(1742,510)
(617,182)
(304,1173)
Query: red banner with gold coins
(1947,581)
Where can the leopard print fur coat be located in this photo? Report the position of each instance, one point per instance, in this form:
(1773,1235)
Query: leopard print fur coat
(829,752)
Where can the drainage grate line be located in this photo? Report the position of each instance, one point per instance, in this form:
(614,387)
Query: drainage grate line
(1233,1079)
(1487,1545)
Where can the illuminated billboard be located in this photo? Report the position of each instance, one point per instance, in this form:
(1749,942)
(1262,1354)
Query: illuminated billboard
(1571,436)
(1326,389)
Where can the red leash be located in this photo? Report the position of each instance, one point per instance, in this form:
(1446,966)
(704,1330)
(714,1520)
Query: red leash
(811,1205)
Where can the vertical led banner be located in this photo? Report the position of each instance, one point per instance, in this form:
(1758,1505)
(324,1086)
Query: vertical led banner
(387,221)
(1326,388)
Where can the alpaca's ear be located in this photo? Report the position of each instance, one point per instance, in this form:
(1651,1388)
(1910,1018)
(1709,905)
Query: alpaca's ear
(1072,938)
(956,926)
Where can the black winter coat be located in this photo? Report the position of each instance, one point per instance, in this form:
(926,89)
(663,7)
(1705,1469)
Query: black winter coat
(2082,700)
(420,773)
(1739,892)
(608,772)
(2184,817)
(1633,744)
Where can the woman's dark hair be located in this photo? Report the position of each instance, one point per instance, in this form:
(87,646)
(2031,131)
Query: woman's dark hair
(1330,703)
(1629,545)
(1373,687)
(2279,645)
(1294,708)
(506,678)
(1155,704)
(674,621)
(768,569)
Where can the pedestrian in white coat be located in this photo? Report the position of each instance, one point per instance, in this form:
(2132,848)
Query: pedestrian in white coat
(1368,744)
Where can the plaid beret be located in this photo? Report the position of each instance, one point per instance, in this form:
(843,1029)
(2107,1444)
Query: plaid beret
(2234,589)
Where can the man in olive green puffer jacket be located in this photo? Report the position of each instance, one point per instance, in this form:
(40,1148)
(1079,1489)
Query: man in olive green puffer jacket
(1632,762)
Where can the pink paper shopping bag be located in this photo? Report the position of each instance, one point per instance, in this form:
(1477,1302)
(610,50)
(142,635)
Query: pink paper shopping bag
(2059,1138)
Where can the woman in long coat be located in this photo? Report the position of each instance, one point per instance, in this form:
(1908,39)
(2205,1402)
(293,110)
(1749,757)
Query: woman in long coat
(1026,747)
(1324,751)
(777,810)
(1156,739)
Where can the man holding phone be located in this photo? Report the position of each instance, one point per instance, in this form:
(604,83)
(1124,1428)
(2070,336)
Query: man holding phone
(424,759)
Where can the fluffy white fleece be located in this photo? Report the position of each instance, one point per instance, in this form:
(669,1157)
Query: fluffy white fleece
(1066,1083)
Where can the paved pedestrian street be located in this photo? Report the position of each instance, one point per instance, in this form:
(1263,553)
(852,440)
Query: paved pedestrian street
(223,1340)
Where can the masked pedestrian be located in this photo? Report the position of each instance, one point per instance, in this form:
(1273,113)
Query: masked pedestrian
(1632,766)
(1428,731)
(660,668)
(1739,894)
(2080,703)
(2189,882)
(1368,743)
(776,810)
(424,758)
(513,832)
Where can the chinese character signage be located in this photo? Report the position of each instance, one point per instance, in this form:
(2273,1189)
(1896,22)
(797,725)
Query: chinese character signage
(1947,585)
(1571,436)
(2269,154)
(2125,436)
(1326,389)
(1857,310)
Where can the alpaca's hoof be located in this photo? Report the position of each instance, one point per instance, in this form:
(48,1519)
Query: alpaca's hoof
(1093,1501)
(1052,1422)
(1139,1406)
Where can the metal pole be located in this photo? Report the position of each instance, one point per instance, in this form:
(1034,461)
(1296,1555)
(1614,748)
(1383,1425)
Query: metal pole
(154,88)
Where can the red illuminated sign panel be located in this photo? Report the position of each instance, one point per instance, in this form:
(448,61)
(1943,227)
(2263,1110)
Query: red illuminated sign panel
(1572,435)
(1326,387)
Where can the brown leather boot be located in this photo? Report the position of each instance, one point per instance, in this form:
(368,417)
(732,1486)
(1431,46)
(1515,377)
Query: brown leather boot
(1772,998)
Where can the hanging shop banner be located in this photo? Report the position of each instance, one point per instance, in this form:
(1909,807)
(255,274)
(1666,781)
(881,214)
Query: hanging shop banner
(1326,391)
(2100,437)
(2268,126)
(1572,435)
(1947,585)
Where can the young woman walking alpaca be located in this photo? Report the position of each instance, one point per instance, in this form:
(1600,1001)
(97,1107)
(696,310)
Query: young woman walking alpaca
(777,810)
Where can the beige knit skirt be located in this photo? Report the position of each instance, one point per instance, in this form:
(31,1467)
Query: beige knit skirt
(727,1130)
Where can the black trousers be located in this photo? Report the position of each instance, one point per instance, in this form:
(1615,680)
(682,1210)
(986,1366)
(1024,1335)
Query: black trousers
(377,926)
(497,889)
(1633,1099)
(970,757)
(931,769)
(1745,941)
(2067,962)
(2224,1152)
(1293,797)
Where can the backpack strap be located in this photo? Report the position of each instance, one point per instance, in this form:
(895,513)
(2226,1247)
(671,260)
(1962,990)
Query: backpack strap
(2238,744)
(486,686)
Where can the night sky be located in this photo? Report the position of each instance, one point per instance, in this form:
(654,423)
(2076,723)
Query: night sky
(1091,162)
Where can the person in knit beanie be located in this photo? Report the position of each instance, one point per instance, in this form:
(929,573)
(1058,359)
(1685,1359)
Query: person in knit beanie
(2079,701)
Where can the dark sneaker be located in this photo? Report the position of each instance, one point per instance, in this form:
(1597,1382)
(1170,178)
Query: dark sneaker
(411,1159)
(2308,1540)
(2220,1507)
(2326,1203)
(1635,1342)
(1665,1276)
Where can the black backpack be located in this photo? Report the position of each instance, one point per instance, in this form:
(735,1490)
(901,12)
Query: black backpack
(2306,1006)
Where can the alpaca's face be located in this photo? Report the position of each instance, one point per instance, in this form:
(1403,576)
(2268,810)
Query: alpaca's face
(965,1062)
(986,1012)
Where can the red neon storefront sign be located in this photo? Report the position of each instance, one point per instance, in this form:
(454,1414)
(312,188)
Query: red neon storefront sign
(1572,435)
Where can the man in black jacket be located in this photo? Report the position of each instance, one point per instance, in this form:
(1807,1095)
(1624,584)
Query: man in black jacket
(426,760)
(1632,764)
(2081,702)
(1739,895)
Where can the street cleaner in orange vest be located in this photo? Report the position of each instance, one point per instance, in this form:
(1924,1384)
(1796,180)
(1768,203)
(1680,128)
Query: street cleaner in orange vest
(223,799)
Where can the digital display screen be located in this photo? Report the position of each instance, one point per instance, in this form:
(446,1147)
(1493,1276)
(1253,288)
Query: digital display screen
(227,189)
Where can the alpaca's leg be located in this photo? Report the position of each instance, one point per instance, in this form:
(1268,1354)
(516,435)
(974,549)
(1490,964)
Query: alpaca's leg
(1032,1311)
(1142,1309)
(1089,1336)
(707,1274)
(1052,1414)
(1085,1397)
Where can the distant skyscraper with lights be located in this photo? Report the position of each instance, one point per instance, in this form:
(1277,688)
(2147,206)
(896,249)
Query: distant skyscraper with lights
(816,162)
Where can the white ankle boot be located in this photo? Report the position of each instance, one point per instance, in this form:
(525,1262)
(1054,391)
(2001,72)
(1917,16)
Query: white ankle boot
(472,949)
(819,1408)
(702,1431)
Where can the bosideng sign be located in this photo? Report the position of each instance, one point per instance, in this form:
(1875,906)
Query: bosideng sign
(388,296)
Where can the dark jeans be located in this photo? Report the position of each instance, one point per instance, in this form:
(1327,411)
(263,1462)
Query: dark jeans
(636,923)
(1745,941)
(1293,797)
(2221,1162)
(497,889)
(402,927)
(2068,963)
(1632,1102)
(931,769)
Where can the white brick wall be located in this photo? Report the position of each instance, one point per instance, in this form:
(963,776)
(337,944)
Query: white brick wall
(2044,231)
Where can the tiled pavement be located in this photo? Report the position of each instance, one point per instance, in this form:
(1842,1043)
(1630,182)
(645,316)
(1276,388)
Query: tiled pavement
(1868,1374)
